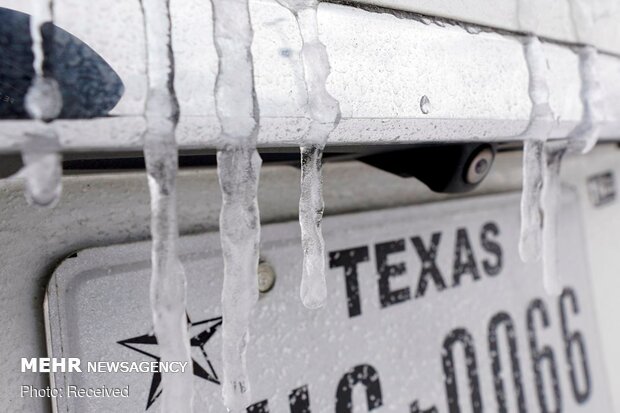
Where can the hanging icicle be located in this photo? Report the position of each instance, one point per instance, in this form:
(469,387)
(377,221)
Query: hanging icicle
(325,114)
(580,141)
(530,242)
(168,281)
(550,199)
(542,162)
(238,166)
(42,169)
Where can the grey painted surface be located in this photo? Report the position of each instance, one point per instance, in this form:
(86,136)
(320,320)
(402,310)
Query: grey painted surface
(382,65)
(592,22)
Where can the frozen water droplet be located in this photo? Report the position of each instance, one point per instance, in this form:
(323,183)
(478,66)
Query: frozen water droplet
(43,99)
(325,115)
(40,150)
(238,165)
(425,105)
(168,280)
(42,168)
(472,29)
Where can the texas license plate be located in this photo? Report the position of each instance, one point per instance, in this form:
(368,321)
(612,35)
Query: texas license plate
(430,310)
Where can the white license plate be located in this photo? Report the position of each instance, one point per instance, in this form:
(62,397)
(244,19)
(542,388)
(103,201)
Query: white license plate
(429,306)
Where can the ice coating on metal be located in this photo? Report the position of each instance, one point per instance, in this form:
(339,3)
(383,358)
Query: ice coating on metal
(539,128)
(324,111)
(585,135)
(42,169)
(168,280)
(238,166)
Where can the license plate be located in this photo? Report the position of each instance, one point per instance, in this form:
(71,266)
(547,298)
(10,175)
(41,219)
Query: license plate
(429,308)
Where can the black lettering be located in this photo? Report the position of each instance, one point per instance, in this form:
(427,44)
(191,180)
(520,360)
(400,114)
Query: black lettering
(366,375)
(260,407)
(463,246)
(572,342)
(498,320)
(415,408)
(488,244)
(349,260)
(299,400)
(464,337)
(429,267)
(541,356)
(387,296)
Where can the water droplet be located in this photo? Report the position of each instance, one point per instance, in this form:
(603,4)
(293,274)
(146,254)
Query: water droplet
(425,105)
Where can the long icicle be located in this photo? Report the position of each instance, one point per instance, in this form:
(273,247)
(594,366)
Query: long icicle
(238,166)
(530,241)
(168,281)
(581,140)
(40,151)
(325,116)
(550,198)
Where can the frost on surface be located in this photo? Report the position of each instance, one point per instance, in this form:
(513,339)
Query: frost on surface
(238,166)
(541,117)
(40,150)
(324,111)
(168,281)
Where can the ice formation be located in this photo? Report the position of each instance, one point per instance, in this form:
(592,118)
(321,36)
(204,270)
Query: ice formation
(581,140)
(542,161)
(550,198)
(42,169)
(541,116)
(585,135)
(168,281)
(238,171)
(541,169)
(324,112)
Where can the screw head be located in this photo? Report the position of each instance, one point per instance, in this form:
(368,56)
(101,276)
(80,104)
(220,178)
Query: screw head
(479,166)
(266,276)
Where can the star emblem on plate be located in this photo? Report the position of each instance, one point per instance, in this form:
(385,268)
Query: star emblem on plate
(200,333)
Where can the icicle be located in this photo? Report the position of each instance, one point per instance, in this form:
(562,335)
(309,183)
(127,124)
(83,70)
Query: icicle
(168,281)
(325,115)
(40,151)
(585,135)
(550,199)
(313,286)
(581,140)
(530,242)
(238,170)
